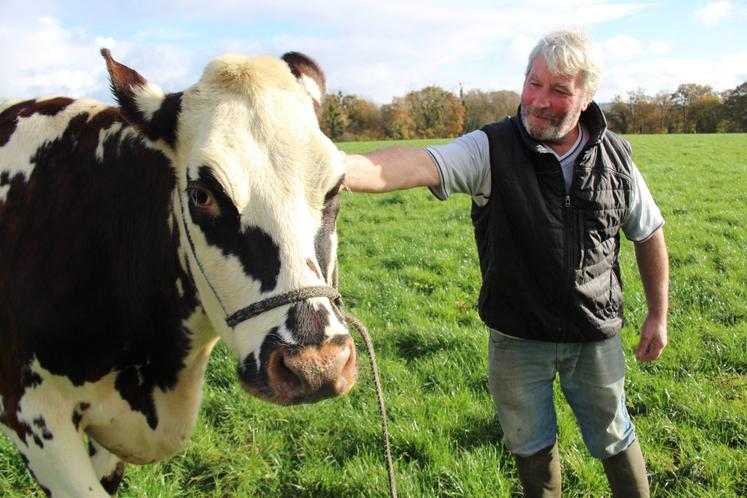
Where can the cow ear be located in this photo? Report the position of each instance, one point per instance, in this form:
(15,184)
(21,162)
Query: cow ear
(310,75)
(143,104)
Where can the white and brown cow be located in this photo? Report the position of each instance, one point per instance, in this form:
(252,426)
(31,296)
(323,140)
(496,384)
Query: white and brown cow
(133,238)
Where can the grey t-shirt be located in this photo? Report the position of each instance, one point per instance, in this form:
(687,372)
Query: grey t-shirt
(464,166)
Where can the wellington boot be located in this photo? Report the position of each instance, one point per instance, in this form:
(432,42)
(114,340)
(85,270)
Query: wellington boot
(540,473)
(626,473)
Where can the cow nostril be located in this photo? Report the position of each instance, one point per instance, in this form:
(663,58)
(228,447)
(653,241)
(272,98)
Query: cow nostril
(349,370)
(282,374)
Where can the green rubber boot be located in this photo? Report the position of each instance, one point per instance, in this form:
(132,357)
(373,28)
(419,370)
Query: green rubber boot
(540,473)
(626,473)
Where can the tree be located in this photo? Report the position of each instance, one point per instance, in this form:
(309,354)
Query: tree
(436,112)
(334,116)
(663,104)
(735,108)
(643,118)
(364,119)
(620,116)
(639,114)
(706,113)
(398,122)
(481,108)
(685,95)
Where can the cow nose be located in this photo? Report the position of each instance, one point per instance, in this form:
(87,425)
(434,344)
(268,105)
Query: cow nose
(314,372)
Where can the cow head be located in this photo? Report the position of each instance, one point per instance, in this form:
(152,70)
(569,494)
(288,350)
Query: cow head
(255,203)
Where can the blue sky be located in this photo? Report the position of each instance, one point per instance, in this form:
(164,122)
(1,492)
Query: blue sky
(376,50)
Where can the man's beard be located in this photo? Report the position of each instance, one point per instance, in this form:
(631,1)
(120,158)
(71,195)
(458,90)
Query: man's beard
(554,129)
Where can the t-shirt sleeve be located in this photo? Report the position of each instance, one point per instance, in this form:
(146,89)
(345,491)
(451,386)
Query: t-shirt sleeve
(464,166)
(644,217)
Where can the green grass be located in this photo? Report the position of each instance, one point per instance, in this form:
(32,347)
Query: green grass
(409,271)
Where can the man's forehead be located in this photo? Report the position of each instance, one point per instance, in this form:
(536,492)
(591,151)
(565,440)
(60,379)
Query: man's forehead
(541,70)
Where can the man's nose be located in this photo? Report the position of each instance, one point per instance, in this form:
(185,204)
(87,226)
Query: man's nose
(540,99)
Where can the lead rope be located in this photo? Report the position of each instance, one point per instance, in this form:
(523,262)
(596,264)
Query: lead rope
(333,294)
(379,397)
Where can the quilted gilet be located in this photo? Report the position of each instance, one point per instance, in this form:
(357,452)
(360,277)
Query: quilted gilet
(549,258)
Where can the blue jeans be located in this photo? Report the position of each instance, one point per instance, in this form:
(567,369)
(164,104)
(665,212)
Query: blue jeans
(592,375)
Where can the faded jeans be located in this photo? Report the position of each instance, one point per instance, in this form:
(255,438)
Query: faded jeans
(592,376)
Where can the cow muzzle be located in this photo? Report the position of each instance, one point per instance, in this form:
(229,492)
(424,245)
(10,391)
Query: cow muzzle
(307,374)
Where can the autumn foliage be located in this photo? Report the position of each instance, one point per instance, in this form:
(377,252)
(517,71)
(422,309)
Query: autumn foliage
(437,113)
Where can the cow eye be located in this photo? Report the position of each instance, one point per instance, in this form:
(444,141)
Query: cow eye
(203,199)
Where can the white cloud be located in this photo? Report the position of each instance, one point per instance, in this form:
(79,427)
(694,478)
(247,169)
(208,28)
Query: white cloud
(713,13)
(660,47)
(667,74)
(40,57)
(622,47)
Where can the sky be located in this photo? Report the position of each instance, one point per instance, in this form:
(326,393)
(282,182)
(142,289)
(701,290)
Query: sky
(376,50)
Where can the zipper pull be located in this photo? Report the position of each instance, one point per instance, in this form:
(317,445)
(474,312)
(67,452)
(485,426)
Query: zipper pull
(567,200)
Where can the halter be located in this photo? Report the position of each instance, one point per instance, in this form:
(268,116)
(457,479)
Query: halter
(289,297)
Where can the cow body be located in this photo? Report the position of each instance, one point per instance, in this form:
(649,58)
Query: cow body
(127,235)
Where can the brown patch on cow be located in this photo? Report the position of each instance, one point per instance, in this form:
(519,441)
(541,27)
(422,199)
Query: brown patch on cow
(85,242)
(42,432)
(111,482)
(47,107)
(123,79)
(78,414)
(9,120)
(163,124)
(100,121)
(323,240)
(303,65)
(12,378)
(9,117)
(129,384)
(310,263)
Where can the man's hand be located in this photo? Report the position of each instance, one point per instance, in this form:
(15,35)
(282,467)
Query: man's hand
(653,339)
(391,168)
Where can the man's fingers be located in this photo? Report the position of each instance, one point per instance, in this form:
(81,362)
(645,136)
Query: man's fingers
(648,349)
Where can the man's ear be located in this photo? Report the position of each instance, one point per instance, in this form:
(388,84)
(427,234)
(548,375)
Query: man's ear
(310,75)
(143,104)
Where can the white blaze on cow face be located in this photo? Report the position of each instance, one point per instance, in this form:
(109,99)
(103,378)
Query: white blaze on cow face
(261,156)
(255,202)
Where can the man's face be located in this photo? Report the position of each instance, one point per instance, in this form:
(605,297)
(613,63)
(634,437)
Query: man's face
(551,104)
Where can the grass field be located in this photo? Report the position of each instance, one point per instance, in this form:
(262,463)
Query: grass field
(409,271)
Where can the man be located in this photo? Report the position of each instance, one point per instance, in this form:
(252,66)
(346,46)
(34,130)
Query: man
(551,189)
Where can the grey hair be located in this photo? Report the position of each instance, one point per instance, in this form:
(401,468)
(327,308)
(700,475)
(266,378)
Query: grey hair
(568,52)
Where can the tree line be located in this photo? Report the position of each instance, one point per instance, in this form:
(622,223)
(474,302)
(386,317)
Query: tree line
(692,108)
(437,113)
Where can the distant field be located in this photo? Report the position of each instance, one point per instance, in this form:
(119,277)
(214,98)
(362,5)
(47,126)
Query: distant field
(409,271)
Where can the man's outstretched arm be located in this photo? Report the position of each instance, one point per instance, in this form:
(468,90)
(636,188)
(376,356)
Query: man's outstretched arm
(392,168)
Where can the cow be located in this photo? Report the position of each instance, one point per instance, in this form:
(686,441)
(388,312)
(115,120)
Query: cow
(133,238)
